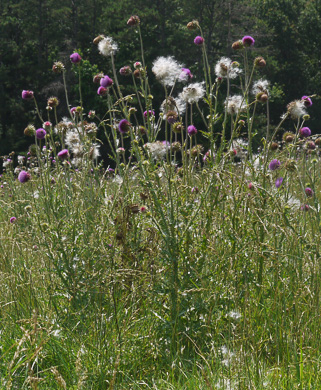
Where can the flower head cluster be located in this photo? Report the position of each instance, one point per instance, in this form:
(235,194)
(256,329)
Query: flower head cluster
(225,67)
(167,70)
(192,93)
(235,104)
(107,46)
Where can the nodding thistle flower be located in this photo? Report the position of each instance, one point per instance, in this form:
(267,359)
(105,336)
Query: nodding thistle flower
(307,101)
(47,125)
(186,75)
(27,95)
(124,126)
(29,131)
(52,102)
(133,21)
(171,117)
(75,58)
(274,164)
(248,41)
(63,154)
(238,45)
(58,67)
(101,91)
(278,182)
(309,192)
(260,62)
(41,133)
(305,132)
(24,176)
(13,219)
(150,113)
(106,82)
(199,40)
(125,71)
(192,130)
(137,65)
(193,25)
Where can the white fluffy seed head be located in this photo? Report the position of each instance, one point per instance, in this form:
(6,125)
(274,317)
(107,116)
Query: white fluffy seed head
(167,70)
(192,93)
(107,47)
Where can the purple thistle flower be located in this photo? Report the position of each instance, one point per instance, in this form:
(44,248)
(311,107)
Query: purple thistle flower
(307,101)
(274,164)
(41,133)
(75,58)
(73,110)
(278,182)
(63,154)
(24,176)
(248,41)
(305,207)
(185,75)
(150,113)
(192,130)
(27,95)
(106,82)
(125,71)
(199,40)
(101,91)
(309,192)
(13,219)
(305,132)
(124,126)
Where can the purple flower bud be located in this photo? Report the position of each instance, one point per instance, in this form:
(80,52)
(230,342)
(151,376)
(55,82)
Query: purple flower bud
(24,176)
(106,82)
(278,182)
(125,71)
(248,41)
(124,126)
(75,58)
(73,110)
(102,91)
(305,207)
(199,40)
(41,133)
(274,164)
(27,95)
(305,132)
(192,130)
(309,192)
(307,101)
(63,154)
(13,219)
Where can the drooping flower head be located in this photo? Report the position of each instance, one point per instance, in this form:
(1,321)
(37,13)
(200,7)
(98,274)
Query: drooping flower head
(199,40)
(186,75)
(106,82)
(41,133)
(101,91)
(107,46)
(309,192)
(191,130)
(27,95)
(274,164)
(192,93)
(225,67)
(133,21)
(125,71)
(296,109)
(278,182)
(75,58)
(307,101)
(24,176)
(13,219)
(63,154)
(124,126)
(248,41)
(305,132)
(167,70)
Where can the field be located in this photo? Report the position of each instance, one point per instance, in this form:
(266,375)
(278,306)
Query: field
(190,262)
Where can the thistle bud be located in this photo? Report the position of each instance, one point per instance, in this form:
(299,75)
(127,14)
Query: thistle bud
(262,97)
(238,45)
(176,146)
(288,137)
(29,131)
(310,145)
(171,117)
(133,21)
(97,78)
(137,74)
(137,65)
(260,62)
(27,95)
(125,71)
(52,102)
(91,114)
(306,117)
(178,127)
(274,146)
(318,141)
(193,25)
